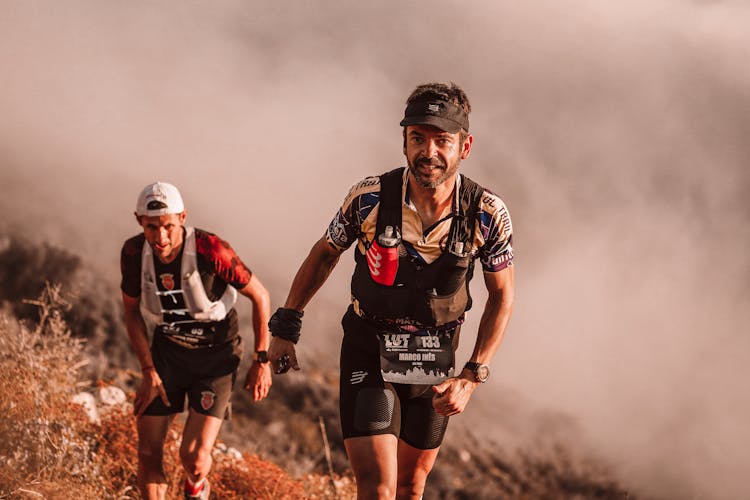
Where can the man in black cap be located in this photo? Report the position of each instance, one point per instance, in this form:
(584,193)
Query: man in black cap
(418,231)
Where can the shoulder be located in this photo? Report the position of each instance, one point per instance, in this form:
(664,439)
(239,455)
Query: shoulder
(491,203)
(366,187)
(208,244)
(494,216)
(133,246)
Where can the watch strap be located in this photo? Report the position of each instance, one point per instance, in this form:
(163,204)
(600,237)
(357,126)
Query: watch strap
(481,371)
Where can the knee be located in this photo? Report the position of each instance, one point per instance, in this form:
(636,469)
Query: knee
(373,489)
(150,457)
(196,462)
(414,489)
(412,486)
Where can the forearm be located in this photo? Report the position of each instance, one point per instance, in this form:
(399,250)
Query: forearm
(261,314)
(136,328)
(492,326)
(312,274)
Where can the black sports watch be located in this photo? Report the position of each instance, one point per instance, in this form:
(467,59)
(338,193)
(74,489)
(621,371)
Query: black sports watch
(481,372)
(260,356)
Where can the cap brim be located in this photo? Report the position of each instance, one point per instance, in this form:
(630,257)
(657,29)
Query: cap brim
(440,122)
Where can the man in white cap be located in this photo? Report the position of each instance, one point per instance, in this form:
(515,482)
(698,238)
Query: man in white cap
(185,281)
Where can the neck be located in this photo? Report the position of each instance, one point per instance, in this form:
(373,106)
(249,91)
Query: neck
(432,203)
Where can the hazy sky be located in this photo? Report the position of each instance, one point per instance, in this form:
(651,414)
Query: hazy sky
(616,134)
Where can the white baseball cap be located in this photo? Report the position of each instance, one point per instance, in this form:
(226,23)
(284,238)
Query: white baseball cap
(159,198)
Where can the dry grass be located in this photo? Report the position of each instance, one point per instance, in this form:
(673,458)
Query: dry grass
(49,449)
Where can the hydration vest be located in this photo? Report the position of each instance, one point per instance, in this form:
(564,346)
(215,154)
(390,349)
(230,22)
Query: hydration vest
(430,294)
(198,307)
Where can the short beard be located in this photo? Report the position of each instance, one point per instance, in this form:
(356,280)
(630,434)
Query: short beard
(425,183)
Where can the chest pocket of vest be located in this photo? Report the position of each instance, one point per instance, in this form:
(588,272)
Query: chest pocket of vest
(449,301)
(198,303)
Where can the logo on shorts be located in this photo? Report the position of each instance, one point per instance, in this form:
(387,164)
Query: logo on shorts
(167,281)
(357,377)
(207,399)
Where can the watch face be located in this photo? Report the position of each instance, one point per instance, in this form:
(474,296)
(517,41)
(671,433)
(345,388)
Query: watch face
(483,373)
(261,356)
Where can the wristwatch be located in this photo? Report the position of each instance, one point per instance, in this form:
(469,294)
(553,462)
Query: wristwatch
(260,356)
(481,372)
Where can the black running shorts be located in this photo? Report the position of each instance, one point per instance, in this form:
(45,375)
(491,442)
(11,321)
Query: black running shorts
(205,375)
(370,406)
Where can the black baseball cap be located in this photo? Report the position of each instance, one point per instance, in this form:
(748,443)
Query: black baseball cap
(437,112)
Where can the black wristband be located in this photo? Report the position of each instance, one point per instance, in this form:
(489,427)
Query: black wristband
(286,324)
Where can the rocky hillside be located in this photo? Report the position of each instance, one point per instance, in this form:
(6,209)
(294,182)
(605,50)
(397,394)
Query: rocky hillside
(66,349)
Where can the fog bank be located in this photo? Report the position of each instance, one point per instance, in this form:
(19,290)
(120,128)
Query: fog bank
(616,134)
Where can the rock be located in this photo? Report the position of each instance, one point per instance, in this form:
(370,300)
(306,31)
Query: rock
(88,402)
(111,395)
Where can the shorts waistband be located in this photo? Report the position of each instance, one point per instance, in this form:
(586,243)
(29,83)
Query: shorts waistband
(402,324)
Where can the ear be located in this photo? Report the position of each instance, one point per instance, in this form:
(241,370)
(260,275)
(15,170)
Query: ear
(183,216)
(137,218)
(403,133)
(466,146)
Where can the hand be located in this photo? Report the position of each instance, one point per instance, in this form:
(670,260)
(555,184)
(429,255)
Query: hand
(258,380)
(282,355)
(151,387)
(452,395)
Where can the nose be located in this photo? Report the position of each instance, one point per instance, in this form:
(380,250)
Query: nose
(163,235)
(429,149)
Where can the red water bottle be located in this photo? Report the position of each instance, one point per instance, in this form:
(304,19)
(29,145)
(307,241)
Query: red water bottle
(382,257)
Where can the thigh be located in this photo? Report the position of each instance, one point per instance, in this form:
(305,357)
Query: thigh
(152,431)
(212,396)
(200,432)
(173,378)
(414,465)
(373,460)
(368,406)
(421,426)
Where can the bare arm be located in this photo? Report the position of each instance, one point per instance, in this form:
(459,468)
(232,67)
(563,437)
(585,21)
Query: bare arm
(136,328)
(311,275)
(258,378)
(453,395)
(496,315)
(151,385)
(261,301)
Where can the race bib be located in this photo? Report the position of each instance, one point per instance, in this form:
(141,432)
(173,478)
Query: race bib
(416,358)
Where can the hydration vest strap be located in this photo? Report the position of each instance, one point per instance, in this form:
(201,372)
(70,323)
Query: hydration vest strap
(462,228)
(389,212)
(463,224)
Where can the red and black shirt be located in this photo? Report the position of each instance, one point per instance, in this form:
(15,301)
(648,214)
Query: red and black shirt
(218,265)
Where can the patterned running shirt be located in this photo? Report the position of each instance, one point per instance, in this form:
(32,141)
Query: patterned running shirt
(356,221)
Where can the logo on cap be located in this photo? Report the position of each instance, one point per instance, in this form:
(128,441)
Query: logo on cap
(435,108)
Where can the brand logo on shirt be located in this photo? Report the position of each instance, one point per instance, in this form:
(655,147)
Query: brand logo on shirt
(167,281)
(207,399)
(357,377)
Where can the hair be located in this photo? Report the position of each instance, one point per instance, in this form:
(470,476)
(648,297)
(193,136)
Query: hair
(447,92)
